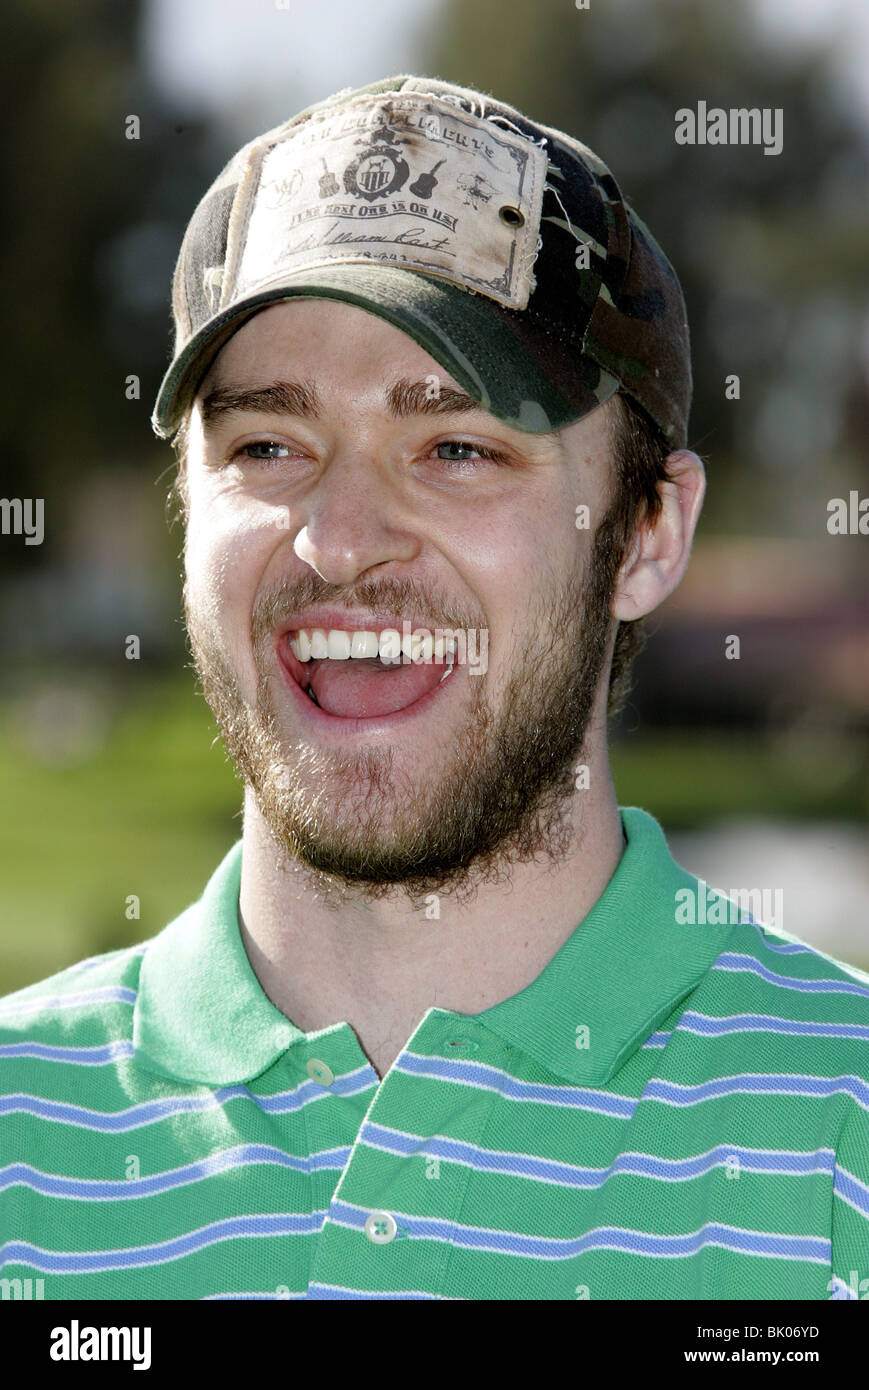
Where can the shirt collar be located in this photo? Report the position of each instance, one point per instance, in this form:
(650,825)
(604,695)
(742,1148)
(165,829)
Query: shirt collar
(620,974)
(202,1015)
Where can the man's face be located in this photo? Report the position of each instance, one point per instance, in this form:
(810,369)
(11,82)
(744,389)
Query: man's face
(361,516)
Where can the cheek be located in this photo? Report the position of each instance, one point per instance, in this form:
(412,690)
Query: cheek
(516,556)
(510,549)
(225,554)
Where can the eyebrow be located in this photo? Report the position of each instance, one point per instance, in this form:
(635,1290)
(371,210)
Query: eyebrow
(405,398)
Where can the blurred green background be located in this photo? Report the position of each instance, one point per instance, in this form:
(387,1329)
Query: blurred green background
(113,784)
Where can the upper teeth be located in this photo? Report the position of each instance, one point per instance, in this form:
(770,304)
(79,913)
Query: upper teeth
(338,645)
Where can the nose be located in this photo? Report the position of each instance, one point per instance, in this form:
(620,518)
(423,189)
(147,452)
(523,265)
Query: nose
(354,520)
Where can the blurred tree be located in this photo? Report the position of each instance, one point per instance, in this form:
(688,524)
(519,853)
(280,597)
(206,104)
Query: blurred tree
(89,240)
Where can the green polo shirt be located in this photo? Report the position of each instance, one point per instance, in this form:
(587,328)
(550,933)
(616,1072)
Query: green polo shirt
(677,1107)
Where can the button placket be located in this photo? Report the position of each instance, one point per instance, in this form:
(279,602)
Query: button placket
(319,1071)
(381,1227)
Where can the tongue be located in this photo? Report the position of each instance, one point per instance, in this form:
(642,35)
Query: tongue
(357,689)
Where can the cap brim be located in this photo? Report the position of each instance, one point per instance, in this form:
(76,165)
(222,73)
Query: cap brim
(468,334)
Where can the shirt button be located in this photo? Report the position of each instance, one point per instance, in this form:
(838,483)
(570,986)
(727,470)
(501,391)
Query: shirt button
(380,1227)
(318,1071)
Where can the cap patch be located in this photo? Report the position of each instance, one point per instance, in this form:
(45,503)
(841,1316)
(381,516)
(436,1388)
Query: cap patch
(402,180)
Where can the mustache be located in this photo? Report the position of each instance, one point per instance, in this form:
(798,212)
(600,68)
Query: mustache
(397,595)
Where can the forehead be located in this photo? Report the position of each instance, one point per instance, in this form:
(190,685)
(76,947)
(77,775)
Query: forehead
(329,353)
(307,333)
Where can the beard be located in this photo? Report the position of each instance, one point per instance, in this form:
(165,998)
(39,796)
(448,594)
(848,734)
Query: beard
(355,823)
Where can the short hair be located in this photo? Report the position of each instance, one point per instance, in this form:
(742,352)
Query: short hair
(639,449)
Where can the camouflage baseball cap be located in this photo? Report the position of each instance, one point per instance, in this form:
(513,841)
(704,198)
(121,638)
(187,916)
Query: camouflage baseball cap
(503,247)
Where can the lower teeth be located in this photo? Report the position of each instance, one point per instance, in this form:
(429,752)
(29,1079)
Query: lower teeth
(312,696)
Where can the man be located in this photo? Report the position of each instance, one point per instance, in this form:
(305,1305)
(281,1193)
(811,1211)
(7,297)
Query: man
(440,1026)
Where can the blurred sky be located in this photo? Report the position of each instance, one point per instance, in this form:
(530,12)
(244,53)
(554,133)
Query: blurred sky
(246,57)
(232,58)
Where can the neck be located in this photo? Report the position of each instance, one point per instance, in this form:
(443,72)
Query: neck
(380,965)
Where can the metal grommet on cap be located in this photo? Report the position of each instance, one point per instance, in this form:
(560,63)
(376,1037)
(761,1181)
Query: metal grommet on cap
(381,1227)
(512,216)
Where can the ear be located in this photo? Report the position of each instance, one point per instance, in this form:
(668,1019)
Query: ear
(661,546)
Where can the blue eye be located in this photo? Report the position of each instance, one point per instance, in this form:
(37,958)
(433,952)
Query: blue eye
(249,449)
(266,451)
(472,448)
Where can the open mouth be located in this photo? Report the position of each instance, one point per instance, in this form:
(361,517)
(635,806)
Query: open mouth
(355,675)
